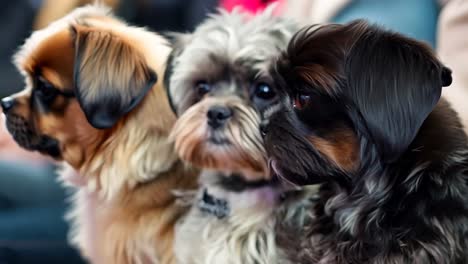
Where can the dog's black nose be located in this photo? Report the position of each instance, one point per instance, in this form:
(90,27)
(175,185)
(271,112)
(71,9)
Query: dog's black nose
(218,115)
(7,103)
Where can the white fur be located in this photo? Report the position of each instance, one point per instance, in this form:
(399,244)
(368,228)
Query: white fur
(245,236)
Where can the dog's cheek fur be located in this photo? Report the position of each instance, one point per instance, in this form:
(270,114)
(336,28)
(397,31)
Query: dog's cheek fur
(71,129)
(297,159)
(341,147)
(188,135)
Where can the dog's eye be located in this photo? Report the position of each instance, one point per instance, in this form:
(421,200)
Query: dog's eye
(264,91)
(45,90)
(202,88)
(301,101)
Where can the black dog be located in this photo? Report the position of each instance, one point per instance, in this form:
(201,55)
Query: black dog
(362,115)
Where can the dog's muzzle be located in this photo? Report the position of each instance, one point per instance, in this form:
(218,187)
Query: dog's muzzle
(21,131)
(24,135)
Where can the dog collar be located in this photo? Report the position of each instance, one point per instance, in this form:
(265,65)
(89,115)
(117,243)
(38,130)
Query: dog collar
(212,205)
(236,183)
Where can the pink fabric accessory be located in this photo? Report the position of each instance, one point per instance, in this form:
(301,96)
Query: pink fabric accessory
(253,6)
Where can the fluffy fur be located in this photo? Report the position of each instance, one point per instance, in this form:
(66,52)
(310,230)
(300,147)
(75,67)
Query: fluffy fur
(92,100)
(238,147)
(247,234)
(362,115)
(220,87)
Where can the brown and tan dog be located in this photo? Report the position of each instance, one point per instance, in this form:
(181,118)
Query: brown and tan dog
(92,99)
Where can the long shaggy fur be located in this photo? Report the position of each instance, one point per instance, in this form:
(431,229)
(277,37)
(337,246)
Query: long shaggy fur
(109,120)
(230,52)
(243,151)
(247,235)
(224,41)
(398,190)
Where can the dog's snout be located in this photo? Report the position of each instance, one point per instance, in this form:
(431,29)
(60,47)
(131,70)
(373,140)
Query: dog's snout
(218,115)
(7,103)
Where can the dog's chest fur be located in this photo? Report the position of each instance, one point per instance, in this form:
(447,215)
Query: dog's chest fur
(135,226)
(243,230)
(428,228)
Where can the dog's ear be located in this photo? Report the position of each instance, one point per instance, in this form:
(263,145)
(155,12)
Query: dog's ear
(178,43)
(110,76)
(394,82)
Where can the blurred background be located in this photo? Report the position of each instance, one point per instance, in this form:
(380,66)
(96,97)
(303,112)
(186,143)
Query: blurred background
(32,202)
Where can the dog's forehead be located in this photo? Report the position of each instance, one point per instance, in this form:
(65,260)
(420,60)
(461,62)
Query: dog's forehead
(239,39)
(232,47)
(54,53)
(61,25)
(52,59)
(50,51)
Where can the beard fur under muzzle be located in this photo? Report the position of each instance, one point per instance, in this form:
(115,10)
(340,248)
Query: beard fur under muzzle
(235,147)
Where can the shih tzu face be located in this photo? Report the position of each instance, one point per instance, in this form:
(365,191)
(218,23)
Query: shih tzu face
(350,93)
(220,87)
(362,116)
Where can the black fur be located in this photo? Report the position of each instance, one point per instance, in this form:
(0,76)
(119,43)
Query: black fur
(405,197)
(237,183)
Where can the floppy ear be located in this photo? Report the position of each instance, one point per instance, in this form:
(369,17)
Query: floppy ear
(395,83)
(110,76)
(178,43)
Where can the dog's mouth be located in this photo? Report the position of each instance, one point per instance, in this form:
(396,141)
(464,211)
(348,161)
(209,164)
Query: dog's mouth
(24,135)
(218,139)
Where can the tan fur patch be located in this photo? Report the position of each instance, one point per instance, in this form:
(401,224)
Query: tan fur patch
(340,147)
(54,58)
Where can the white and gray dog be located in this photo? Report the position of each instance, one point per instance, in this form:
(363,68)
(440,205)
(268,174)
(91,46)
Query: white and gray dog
(219,86)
